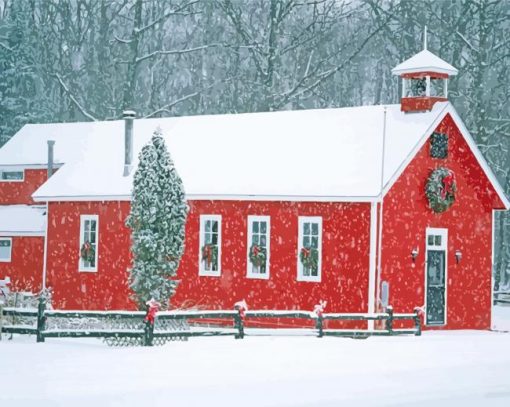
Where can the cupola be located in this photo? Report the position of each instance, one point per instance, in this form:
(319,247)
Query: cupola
(424,80)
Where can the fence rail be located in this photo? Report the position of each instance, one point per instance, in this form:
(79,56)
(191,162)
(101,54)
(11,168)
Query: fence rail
(501,297)
(240,321)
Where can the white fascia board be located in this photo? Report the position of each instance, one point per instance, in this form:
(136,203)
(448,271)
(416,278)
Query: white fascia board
(37,233)
(425,69)
(29,166)
(416,149)
(205,197)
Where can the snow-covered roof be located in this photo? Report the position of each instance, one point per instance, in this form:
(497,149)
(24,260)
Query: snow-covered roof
(29,147)
(424,61)
(322,154)
(22,220)
(306,155)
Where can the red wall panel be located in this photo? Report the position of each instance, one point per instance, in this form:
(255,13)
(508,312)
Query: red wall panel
(21,192)
(469,224)
(26,266)
(344,264)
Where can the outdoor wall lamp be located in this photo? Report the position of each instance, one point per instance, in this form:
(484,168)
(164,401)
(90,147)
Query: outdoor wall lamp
(458,255)
(414,254)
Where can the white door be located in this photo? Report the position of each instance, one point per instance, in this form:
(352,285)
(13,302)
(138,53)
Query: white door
(436,271)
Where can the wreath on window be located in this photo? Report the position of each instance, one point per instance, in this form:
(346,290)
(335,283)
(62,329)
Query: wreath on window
(309,258)
(440,189)
(258,255)
(209,254)
(87,252)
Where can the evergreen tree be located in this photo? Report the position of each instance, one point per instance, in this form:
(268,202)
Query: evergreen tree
(157,219)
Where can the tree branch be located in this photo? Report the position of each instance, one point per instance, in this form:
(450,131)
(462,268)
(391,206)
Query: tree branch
(73,99)
(174,52)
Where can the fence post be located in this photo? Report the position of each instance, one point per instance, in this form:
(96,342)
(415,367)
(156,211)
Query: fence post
(319,325)
(148,329)
(41,318)
(389,321)
(417,321)
(239,324)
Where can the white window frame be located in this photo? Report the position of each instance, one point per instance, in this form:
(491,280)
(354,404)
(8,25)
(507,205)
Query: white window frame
(81,266)
(201,269)
(249,267)
(300,275)
(2,170)
(7,260)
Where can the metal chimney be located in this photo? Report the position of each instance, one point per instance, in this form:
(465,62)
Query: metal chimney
(51,144)
(128,116)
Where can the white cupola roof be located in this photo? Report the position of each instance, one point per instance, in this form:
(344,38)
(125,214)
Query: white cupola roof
(424,61)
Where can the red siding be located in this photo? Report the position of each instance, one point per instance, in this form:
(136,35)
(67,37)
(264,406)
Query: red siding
(21,192)
(418,104)
(469,224)
(26,265)
(345,259)
(105,289)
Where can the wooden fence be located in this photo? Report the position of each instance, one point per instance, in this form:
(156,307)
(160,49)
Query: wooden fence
(501,297)
(239,320)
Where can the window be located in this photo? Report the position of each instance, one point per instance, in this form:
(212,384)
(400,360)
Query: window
(5,249)
(210,245)
(11,175)
(258,246)
(309,249)
(89,237)
(439,145)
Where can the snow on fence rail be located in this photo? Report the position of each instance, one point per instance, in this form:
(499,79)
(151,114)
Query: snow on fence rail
(501,297)
(238,318)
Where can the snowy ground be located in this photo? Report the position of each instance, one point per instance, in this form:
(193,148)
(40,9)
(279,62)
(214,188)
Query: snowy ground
(463,368)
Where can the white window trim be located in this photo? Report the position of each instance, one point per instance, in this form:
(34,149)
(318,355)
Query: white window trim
(12,170)
(443,232)
(7,260)
(249,266)
(81,267)
(201,270)
(300,276)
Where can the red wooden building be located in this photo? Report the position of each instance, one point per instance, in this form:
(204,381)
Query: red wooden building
(350,205)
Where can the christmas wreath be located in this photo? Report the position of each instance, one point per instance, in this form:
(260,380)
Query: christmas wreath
(87,252)
(440,189)
(210,254)
(309,258)
(257,255)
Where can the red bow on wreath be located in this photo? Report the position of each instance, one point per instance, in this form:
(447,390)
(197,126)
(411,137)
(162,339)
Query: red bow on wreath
(207,254)
(448,183)
(256,250)
(305,252)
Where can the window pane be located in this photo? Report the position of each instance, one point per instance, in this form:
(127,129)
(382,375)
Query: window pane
(306,241)
(314,272)
(438,240)
(430,240)
(214,239)
(208,238)
(93,226)
(315,242)
(12,175)
(215,226)
(255,227)
(86,226)
(306,228)
(255,239)
(207,225)
(263,227)
(263,240)
(315,229)
(5,243)
(5,249)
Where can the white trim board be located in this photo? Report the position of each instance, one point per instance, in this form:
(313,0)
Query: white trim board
(22,233)
(201,241)
(249,237)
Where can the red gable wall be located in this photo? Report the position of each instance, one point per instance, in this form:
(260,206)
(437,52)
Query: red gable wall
(469,224)
(345,258)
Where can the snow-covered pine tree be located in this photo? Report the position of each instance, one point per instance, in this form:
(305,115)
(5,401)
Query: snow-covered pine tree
(157,220)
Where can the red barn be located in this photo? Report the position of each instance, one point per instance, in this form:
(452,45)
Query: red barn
(356,206)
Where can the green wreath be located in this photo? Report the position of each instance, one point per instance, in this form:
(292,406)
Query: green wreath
(87,252)
(258,255)
(210,254)
(309,258)
(440,189)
